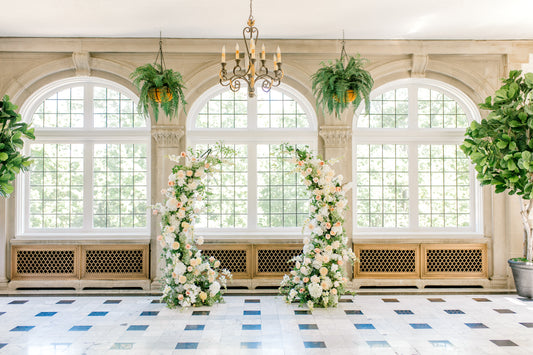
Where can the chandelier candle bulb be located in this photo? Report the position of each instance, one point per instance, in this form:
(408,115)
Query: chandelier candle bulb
(278,53)
(275,62)
(236,51)
(252,49)
(223,60)
(263,52)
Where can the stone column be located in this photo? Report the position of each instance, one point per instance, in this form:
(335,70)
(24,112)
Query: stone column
(168,141)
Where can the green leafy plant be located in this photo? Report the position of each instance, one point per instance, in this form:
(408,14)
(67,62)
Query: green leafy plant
(332,82)
(11,134)
(150,77)
(501,146)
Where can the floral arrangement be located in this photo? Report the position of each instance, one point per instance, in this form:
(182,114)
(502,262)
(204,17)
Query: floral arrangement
(189,278)
(319,277)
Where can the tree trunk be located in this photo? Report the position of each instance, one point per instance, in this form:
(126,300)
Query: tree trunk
(525,211)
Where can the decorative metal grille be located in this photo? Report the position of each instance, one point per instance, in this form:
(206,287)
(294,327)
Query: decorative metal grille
(114,261)
(387,260)
(45,262)
(233,260)
(454,260)
(276,260)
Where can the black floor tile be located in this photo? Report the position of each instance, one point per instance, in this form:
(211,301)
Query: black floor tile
(314,344)
(504,342)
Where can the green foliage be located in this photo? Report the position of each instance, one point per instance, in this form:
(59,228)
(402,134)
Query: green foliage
(500,146)
(11,134)
(150,76)
(331,82)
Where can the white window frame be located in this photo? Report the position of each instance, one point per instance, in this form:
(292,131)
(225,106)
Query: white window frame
(251,137)
(88,135)
(414,136)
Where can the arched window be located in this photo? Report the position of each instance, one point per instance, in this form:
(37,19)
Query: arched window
(410,174)
(254,193)
(90,161)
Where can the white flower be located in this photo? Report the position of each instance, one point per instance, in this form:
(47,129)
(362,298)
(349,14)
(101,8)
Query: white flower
(334,267)
(172,204)
(180,268)
(315,290)
(200,240)
(214,289)
(315,279)
(304,270)
(292,293)
(306,240)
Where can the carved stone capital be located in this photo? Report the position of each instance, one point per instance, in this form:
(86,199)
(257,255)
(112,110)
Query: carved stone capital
(167,136)
(419,65)
(336,136)
(81,63)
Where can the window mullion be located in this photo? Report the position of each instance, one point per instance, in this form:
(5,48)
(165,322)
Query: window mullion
(413,159)
(87,186)
(252,186)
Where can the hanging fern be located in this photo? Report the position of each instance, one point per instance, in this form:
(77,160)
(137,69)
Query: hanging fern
(152,76)
(331,82)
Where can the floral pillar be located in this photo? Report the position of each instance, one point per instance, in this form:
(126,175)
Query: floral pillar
(168,141)
(338,145)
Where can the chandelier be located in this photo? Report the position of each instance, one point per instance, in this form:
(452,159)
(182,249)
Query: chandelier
(251,72)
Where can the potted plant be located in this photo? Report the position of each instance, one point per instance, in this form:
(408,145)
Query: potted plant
(337,85)
(159,88)
(12,129)
(501,148)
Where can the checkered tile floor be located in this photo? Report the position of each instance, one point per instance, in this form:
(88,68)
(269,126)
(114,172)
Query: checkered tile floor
(411,324)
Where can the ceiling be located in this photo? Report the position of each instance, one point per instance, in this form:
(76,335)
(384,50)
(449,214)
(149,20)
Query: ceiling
(286,19)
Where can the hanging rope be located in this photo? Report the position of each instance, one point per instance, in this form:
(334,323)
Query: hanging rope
(343,50)
(160,54)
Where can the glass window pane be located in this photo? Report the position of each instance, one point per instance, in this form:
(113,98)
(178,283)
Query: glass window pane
(389,110)
(113,109)
(436,110)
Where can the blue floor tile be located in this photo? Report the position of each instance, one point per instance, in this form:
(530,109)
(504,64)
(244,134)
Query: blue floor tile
(300,312)
(420,325)
(364,326)
(65,302)
(112,301)
(251,327)
(195,327)
(45,314)
(149,313)
(523,299)
(251,313)
(476,325)
(527,324)
(403,311)
(378,344)
(80,328)
(122,346)
(441,343)
(137,327)
(186,346)
(307,326)
(251,345)
(454,311)
(314,344)
(97,314)
(22,328)
(2,313)
(156,301)
(252,301)
(18,302)
(2,345)
(353,311)
(200,313)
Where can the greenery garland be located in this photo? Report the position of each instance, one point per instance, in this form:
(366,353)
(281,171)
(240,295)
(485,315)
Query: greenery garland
(12,130)
(319,278)
(189,278)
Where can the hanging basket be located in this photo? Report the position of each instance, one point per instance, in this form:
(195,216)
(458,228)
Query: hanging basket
(349,96)
(159,95)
